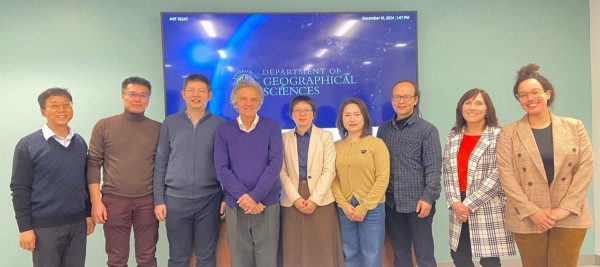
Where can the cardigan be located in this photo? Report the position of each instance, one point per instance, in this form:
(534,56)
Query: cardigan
(184,164)
(362,171)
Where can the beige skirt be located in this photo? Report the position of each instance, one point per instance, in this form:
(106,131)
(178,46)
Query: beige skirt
(311,240)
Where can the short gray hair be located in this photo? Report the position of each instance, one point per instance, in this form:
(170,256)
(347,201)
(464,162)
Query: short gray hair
(243,84)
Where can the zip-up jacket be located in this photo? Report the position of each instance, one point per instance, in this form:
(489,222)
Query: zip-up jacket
(184,165)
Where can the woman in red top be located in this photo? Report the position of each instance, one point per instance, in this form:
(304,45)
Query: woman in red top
(473,193)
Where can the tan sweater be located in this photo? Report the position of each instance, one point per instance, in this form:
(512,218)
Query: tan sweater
(362,171)
(123,146)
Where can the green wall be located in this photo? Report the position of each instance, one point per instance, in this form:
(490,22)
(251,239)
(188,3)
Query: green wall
(91,46)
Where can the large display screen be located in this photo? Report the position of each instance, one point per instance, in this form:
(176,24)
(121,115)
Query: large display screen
(327,56)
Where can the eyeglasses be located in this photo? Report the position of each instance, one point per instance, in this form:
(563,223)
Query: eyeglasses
(56,106)
(534,94)
(302,111)
(405,98)
(134,95)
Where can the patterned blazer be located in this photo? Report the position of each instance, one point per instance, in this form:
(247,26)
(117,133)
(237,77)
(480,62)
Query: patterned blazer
(484,196)
(320,167)
(524,180)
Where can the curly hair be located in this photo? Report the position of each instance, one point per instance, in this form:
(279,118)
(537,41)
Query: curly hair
(531,71)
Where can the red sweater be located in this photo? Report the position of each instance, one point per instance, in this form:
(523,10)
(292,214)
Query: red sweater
(464,152)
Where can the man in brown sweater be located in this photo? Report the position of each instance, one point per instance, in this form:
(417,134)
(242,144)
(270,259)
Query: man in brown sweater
(123,146)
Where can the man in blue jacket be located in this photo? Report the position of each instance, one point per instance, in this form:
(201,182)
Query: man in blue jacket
(186,191)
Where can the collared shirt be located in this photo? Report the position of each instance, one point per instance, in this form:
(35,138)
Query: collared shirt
(415,162)
(47,132)
(302,142)
(243,128)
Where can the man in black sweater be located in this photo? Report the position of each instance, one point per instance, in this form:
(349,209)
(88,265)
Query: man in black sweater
(49,187)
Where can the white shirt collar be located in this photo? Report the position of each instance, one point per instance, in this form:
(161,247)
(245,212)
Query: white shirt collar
(243,128)
(47,132)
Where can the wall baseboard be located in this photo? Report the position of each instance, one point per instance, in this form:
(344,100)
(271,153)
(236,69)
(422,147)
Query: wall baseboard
(596,259)
(584,260)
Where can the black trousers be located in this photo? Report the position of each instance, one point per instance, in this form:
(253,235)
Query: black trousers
(463,257)
(407,229)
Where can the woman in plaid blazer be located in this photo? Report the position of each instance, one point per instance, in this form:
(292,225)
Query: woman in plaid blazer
(473,193)
(545,164)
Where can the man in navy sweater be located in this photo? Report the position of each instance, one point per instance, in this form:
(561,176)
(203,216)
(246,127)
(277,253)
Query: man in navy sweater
(186,191)
(248,158)
(49,187)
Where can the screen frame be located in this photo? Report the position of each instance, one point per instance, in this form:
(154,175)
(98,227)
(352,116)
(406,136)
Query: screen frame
(365,13)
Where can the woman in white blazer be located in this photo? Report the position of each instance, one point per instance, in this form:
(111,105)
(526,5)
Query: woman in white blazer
(473,193)
(310,229)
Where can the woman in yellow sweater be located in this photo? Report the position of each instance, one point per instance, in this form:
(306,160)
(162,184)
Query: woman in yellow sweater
(363,171)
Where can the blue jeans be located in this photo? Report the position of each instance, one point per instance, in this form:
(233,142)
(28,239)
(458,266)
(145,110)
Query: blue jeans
(362,242)
(405,230)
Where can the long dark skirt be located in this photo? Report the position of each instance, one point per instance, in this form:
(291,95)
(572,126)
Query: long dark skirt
(311,240)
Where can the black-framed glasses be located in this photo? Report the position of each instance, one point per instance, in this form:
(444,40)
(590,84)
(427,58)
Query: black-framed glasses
(405,98)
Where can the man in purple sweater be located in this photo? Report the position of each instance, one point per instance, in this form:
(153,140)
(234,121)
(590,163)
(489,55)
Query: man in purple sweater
(248,158)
